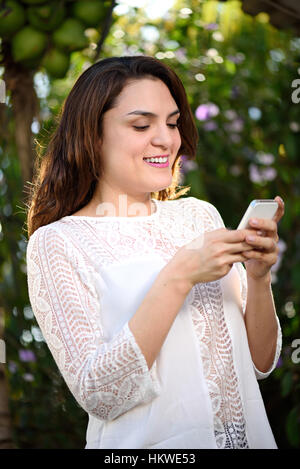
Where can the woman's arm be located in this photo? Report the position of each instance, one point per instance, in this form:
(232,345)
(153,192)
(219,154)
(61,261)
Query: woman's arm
(260,314)
(262,325)
(205,259)
(152,321)
(260,321)
(107,378)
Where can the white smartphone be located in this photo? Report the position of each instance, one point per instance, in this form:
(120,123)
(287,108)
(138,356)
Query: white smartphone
(265,208)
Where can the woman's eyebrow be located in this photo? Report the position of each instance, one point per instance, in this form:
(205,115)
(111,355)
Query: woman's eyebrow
(151,114)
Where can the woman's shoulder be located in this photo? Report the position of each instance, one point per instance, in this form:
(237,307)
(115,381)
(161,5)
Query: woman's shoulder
(197,204)
(51,228)
(52,233)
(202,210)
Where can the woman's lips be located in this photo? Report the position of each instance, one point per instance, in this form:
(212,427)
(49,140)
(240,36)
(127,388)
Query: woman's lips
(158,165)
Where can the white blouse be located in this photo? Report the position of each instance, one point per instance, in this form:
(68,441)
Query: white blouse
(87,276)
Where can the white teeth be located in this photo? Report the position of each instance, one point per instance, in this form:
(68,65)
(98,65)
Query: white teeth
(157,160)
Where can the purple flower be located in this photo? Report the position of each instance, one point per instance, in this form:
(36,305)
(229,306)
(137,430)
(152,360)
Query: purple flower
(187,165)
(231,114)
(236,125)
(206,111)
(261,175)
(265,158)
(279,363)
(236,59)
(235,138)
(282,247)
(209,126)
(184,158)
(28,377)
(27,355)
(211,26)
(12,366)
(269,174)
(254,173)
(181,55)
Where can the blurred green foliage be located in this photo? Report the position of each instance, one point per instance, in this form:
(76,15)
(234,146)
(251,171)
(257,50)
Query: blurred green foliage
(43,33)
(238,73)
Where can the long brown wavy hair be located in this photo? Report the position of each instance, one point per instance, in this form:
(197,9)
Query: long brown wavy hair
(65,178)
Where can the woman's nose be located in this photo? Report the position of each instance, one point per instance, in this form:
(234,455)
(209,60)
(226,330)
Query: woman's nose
(163,137)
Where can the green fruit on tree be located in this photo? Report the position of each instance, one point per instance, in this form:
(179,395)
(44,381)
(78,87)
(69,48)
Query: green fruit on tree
(90,12)
(28,44)
(56,63)
(70,35)
(46,17)
(12,18)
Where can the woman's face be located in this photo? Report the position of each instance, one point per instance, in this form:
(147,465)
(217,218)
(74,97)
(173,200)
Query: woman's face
(128,137)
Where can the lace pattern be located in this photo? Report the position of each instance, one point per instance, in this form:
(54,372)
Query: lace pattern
(216,351)
(107,379)
(110,377)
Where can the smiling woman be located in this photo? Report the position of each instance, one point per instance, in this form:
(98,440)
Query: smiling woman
(129,138)
(119,111)
(141,295)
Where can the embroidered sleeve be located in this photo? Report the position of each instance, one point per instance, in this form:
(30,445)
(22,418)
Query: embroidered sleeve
(218,223)
(106,378)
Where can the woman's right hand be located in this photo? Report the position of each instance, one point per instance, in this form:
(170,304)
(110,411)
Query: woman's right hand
(209,257)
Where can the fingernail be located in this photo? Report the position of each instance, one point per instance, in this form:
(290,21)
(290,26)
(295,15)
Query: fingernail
(250,238)
(254,221)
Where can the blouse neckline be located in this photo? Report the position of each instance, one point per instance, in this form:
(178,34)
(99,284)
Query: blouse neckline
(108,218)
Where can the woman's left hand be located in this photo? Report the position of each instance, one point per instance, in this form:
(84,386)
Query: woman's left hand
(265,250)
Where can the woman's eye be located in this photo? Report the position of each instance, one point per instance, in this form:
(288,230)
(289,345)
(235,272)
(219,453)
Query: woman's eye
(173,126)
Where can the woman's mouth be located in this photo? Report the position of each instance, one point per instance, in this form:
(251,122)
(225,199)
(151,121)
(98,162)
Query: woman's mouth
(157,162)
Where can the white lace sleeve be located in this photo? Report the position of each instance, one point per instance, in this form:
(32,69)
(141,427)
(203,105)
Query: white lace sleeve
(106,378)
(218,223)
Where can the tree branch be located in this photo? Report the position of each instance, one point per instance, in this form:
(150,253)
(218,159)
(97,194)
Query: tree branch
(105,30)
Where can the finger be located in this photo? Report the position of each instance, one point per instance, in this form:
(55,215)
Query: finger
(233,248)
(227,236)
(261,233)
(267,244)
(233,258)
(267,258)
(230,236)
(263,224)
(280,211)
(265,233)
